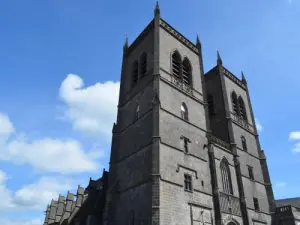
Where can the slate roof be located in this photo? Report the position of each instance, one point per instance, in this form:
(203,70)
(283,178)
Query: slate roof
(288,201)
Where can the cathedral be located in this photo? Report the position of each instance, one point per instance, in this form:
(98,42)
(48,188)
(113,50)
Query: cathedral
(185,148)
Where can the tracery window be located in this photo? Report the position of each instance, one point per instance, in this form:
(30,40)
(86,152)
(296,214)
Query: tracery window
(226,177)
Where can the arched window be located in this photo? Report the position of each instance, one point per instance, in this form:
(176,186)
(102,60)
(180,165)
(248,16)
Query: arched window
(137,112)
(176,65)
(184,112)
(187,72)
(234,103)
(210,102)
(143,64)
(135,72)
(226,178)
(244,143)
(242,109)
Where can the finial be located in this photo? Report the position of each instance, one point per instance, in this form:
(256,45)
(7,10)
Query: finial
(157,9)
(219,59)
(243,78)
(125,47)
(198,43)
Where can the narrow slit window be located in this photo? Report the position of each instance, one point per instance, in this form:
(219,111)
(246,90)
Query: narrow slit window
(137,112)
(184,112)
(244,143)
(256,204)
(250,170)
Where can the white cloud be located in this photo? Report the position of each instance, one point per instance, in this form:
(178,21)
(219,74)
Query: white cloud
(47,154)
(281,185)
(5,221)
(92,109)
(296,147)
(33,196)
(258,126)
(295,135)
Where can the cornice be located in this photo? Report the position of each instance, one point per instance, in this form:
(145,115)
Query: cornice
(179,36)
(232,77)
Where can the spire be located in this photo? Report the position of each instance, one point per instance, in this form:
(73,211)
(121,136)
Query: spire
(219,59)
(243,78)
(125,47)
(157,9)
(198,43)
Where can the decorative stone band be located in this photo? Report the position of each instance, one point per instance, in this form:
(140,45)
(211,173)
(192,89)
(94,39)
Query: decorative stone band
(239,120)
(219,141)
(179,36)
(186,88)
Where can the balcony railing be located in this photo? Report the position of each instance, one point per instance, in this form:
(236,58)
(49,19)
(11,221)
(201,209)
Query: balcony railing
(219,142)
(230,204)
(186,88)
(242,122)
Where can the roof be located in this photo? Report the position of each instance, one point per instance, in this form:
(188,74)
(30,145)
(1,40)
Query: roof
(288,201)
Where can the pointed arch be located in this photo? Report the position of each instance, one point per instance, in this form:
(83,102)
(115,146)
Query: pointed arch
(184,111)
(176,65)
(226,176)
(135,72)
(187,71)
(244,143)
(242,108)
(234,101)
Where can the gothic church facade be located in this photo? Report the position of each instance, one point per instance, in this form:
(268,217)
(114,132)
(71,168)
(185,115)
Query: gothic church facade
(185,147)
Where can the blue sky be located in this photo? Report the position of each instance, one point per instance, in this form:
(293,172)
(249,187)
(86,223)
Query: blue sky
(59,74)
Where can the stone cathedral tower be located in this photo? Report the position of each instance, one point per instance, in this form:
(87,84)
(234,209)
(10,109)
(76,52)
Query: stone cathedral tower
(185,148)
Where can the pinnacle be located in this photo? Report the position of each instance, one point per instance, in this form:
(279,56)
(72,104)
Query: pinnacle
(219,59)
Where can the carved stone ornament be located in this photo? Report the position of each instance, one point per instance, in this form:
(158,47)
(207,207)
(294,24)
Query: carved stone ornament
(229,219)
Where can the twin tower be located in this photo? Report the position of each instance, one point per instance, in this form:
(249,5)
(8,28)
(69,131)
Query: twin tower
(185,147)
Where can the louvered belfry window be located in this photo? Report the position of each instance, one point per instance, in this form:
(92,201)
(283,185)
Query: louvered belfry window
(186,71)
(143,64)
(135,72)
(210,102)
(234,103)
(176,65)
(242,109)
